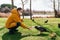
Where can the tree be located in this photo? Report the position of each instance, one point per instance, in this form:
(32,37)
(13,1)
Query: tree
(30,10)
(8,5)
(58,9)
(57,14)
(12,2)
(54,8)
(23,3)
(6,8)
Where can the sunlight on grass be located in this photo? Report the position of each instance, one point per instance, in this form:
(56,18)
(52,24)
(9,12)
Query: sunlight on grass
(31,34)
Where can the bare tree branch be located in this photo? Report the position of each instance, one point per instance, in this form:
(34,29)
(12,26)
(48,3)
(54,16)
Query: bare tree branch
(23,3)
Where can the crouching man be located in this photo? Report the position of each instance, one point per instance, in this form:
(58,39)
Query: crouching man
(14,21)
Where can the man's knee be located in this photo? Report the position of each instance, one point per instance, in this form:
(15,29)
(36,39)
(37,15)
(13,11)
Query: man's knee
(18,23)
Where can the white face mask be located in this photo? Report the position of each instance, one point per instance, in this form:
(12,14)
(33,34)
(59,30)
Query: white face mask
(20,13)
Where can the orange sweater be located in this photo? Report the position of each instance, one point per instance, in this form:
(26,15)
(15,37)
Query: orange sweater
(13,19)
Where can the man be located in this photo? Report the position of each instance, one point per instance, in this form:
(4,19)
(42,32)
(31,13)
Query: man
(14,20)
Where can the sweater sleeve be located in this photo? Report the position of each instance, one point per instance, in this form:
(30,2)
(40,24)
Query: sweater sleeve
(17,19)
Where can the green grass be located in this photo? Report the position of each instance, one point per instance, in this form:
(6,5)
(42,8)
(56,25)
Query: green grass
(31,34)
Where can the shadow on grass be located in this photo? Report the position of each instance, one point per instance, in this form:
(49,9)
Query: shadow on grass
(2,28)
(42,34)
(58,32)
(18,36)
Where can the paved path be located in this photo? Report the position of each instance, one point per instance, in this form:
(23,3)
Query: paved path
(39,16)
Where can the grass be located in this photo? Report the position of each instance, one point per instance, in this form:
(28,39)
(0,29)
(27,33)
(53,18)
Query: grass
(31,34)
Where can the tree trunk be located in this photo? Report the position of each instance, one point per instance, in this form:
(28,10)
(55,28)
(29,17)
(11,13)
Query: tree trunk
(57,15)
(54,7)
(12,1)
(30,11)
(23,8)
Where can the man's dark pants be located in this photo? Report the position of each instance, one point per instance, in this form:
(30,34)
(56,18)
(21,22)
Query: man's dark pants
(13,29)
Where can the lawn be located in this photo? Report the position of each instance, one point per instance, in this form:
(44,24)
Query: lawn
(31,34)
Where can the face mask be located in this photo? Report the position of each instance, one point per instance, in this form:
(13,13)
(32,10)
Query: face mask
(20,13)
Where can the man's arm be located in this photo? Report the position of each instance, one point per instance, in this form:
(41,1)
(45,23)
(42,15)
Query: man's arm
(17,19)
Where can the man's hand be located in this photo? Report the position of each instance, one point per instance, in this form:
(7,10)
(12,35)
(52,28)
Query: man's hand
(30,28)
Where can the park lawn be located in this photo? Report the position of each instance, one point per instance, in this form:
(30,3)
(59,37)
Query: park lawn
(31,34)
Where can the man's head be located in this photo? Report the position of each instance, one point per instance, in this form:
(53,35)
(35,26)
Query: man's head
(20,10)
